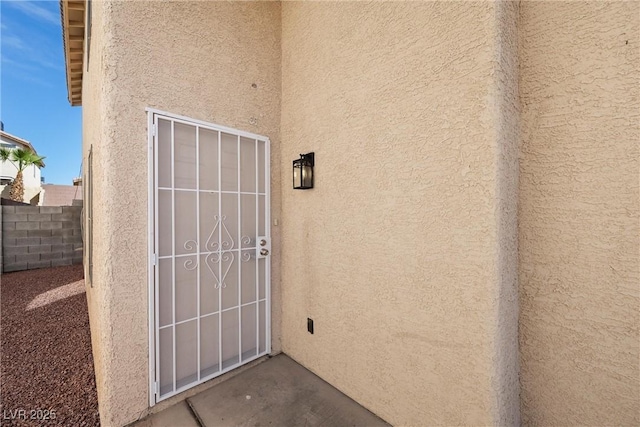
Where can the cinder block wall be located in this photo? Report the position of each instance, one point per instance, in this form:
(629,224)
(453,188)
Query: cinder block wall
(40,236)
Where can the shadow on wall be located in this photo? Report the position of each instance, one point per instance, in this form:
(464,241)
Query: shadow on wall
(5,191)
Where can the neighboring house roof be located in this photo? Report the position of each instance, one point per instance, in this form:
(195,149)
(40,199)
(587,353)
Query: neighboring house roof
(72,15)
(60,195)
(5,136)
(12,138)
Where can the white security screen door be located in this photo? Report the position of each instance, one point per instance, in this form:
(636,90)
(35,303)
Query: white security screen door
(210,244)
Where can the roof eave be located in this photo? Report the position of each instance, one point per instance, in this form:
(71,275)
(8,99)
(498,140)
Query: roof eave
(72,14)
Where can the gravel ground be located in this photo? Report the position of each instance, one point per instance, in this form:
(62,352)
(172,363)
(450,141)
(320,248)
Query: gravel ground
(45,357)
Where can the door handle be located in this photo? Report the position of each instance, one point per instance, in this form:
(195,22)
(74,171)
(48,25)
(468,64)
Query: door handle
(264,252)
(263,242)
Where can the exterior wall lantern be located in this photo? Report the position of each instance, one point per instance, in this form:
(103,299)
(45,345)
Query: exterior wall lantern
(303,172)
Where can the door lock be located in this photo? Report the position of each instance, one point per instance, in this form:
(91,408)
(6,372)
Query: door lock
(264,246)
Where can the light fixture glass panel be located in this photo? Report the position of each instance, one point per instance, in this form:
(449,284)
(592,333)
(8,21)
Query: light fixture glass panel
(307,176)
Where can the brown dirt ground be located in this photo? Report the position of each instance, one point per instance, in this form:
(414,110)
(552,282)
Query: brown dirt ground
(45,357)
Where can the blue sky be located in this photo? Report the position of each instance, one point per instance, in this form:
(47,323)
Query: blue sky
(33,92)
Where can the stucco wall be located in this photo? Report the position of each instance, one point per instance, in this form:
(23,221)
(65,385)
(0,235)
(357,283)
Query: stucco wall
(197,59)
(406,252)
(29,194)
(30,175)
(578,216)
(93,136)
(507,136)
(30,179)
(396,252)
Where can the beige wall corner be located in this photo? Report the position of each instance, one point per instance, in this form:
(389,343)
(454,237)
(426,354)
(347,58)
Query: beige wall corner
(507,110)
(92,139)
(152,54)
(398,252)
(579,213)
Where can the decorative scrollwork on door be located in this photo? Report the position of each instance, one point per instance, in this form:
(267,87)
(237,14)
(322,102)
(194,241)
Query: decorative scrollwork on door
(226,242)
(222,251)
(190,264)
(212,261)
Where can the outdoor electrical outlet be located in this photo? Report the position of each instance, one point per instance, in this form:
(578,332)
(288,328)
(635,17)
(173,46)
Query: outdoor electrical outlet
(310,325)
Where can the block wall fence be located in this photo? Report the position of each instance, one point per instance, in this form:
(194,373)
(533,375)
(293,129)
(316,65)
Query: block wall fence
(39,237)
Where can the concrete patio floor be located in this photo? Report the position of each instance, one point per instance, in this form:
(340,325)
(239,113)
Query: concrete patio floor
(277,392)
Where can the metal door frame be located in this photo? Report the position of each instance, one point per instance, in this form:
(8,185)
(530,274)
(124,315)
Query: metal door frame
(152,114)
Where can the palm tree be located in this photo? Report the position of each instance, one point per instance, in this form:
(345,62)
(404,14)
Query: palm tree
(21,159)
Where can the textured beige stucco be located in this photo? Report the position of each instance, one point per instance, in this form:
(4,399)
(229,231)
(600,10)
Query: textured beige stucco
(197,59)
(396,254)
(578,215)
(408,252)
(93,137)
(506,410)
